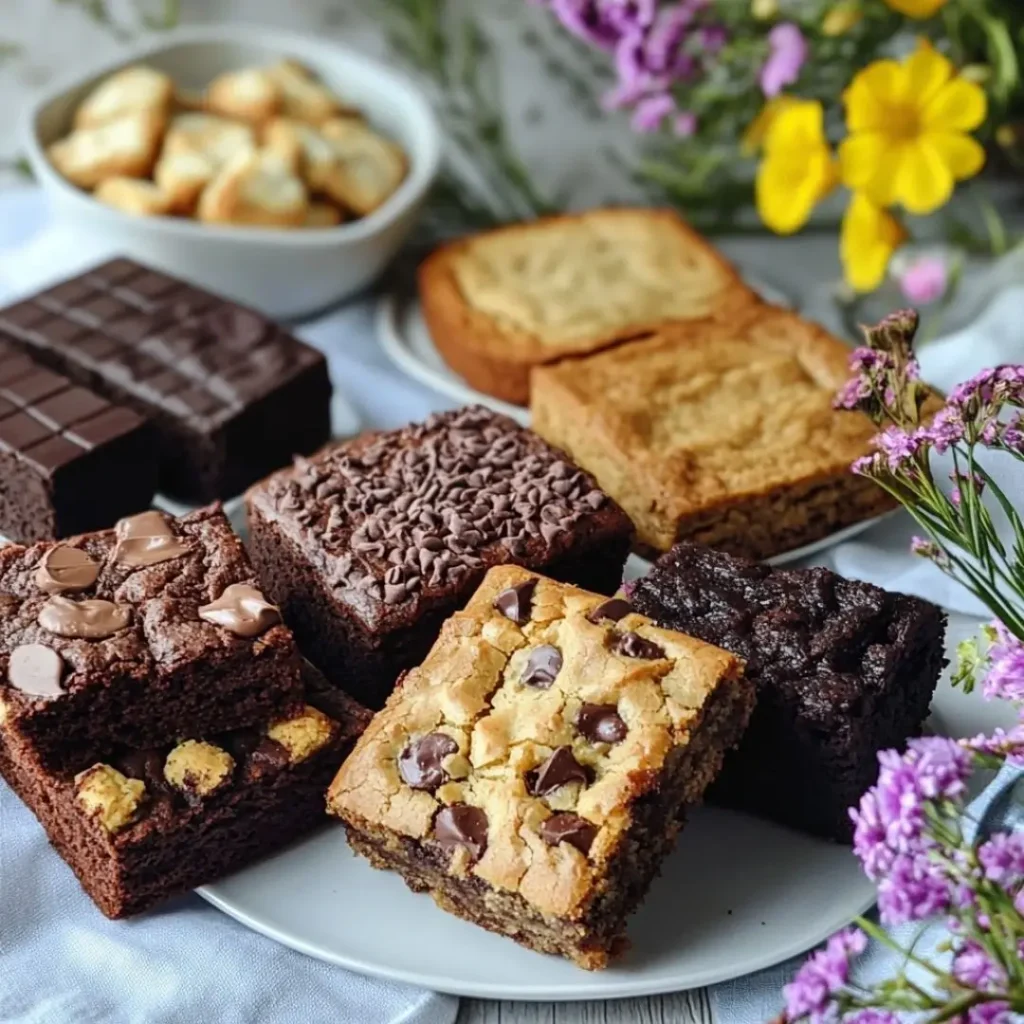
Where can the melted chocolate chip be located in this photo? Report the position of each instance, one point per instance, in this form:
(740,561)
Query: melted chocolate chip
(462,825)
(146,539)
(64,568)
(36,670)
(601,723)
(561,767)
(542,667)
(633,645)
(145,765)
(419,763)
(270,753)
(516,602)
(88,620)
(569,828)
(242,610)
(610,611)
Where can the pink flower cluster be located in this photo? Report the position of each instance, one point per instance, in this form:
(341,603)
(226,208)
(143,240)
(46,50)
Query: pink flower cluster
(811,992)
(1005,677)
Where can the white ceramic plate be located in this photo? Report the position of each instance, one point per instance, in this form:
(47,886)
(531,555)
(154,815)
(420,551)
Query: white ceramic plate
(738,895)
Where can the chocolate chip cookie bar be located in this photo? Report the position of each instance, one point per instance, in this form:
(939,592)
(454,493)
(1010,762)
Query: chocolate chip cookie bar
(69,460)
(370,545)
(139,826)
(231,396)
(843,670)
(136,636)
(532,772)
(718,433)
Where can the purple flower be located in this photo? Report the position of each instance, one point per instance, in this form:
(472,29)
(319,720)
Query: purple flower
(685,124)
(810,993)
(997,1012)
(925,280)
(851,394)
(864,358)
(972,967)
(973,393)
(871,1016)
(628,15)
(1002,857)
(1008,744)
(866,465)
(1012,434)
(946,430)
(961,480)
(589,21)
(651,111)
(712,38)
(897,446)
(914,890)
(787,54)
(869,837)
(1005,677)
(941,765)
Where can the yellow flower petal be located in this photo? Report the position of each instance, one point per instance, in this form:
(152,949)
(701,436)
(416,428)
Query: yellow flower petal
(860,157)
(870,235)
(958,106)
(754,136)
(962,155)
(916,8)
(799,123)
(924,182)
(871,94)
(927,72)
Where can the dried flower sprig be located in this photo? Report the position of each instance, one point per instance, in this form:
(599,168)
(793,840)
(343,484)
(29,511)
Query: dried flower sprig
(911,830)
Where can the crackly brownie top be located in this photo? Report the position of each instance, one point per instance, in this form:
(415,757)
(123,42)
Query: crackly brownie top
(821,641)
(142,600)
(396,519)
(519,745)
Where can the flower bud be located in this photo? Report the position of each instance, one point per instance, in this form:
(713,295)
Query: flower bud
(764,10)
(977,73)
(841,18)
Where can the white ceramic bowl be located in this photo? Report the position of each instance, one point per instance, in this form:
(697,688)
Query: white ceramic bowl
(285,274)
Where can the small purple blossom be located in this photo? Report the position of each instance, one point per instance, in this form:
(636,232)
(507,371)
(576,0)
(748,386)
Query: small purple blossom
(898,446)
(1012,434)
(588,20)
(869,837)
(651,111)
(914,890)
(972,967)
(996,1012)
(1004,679)
(712,38)
(871,1016)
(946,429)
(685,124)
(1002,857)
(851,394)
(925,280)
(1003,743)
(786,57)
(866,465)
(812,990)
(941,765)
(962,480)
(924,547)
(865,359)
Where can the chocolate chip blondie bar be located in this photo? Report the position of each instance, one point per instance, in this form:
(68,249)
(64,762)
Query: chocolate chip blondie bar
(135,636)
(139,826)
(532,772)
(719,433)
(843,669)
(370,545)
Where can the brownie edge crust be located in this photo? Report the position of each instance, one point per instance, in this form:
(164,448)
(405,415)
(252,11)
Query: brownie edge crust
(534,771)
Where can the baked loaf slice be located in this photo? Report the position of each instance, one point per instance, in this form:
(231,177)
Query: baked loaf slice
(502,302)
(532,772)
(722,433)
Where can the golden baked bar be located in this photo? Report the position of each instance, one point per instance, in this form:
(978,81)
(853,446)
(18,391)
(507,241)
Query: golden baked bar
(532,773)
(502,302)
(718,433)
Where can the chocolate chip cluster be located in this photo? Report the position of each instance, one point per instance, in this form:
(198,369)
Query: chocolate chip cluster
(418,507)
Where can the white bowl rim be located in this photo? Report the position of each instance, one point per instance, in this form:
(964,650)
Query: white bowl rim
(423,169)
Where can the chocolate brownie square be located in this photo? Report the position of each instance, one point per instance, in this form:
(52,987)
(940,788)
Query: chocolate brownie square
(136,636)
(532,773)
(371,544)
(231,395)
(140,826)
(843,669)
(70,461)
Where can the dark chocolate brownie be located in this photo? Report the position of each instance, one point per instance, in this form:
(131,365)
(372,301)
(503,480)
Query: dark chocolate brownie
(843,669)
(230,394)
(147,824)
(533,773)
(69,460)
(371,544)
(137,636)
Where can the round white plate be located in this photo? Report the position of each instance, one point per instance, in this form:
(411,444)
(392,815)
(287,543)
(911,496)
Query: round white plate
(737,895)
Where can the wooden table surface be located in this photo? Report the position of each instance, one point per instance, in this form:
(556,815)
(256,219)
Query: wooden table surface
(683,1008)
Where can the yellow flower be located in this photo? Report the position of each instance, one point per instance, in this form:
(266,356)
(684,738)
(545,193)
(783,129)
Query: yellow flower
(756,132)
(916,8)
(841,18)
(908,125)
(869,237)
(764,10)
(798,169)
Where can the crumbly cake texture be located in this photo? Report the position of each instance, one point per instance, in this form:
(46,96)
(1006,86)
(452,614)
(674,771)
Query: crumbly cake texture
(101,643)
(502,302)
(231,396)
(843,670)
(722,434)
(370,545)
(143,825)
(531,774)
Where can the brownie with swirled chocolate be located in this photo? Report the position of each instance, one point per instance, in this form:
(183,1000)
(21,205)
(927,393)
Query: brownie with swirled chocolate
(137,636)
(370,545)
(139,826)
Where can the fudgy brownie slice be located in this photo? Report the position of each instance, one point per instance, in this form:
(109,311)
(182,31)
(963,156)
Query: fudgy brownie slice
(136,636)
(142,825)
(531,774)
(69,460)
(370,545)
(231,395)
(843,670)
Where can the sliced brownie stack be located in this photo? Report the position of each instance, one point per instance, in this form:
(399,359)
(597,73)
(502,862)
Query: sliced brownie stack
(155,714)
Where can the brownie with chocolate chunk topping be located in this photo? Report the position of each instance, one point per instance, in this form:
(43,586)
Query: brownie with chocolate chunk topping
(542,812)
(231,395)
(139,826)
(136,636)
(843,669)
(370,545)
